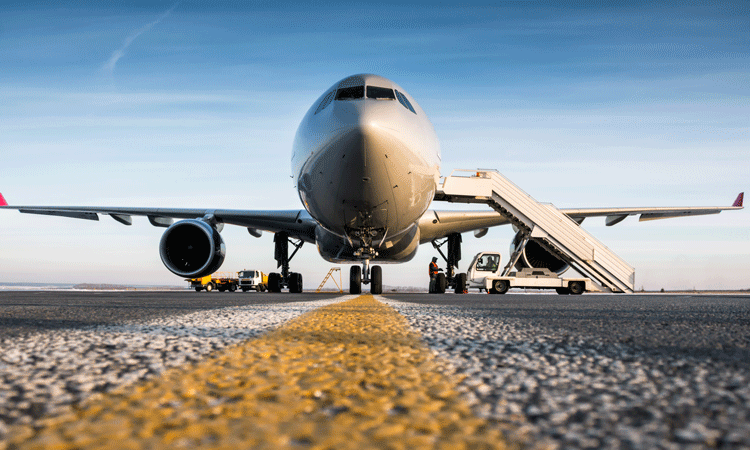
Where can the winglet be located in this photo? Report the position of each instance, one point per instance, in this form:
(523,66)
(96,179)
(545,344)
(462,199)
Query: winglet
(737,202)
(2,201)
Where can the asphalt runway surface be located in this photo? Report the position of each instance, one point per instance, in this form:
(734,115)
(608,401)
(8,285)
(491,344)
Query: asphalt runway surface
(591,371)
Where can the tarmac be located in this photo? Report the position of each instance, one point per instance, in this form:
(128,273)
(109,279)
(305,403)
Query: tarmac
(398,370)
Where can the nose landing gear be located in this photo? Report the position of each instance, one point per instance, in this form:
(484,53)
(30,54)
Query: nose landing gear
(367,275)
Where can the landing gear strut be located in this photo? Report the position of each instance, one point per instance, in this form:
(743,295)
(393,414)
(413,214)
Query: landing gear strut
(367,275)
(452,280)
(292,280)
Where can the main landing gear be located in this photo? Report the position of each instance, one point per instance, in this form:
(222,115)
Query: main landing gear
(372,276)
(449,279)
(292,280)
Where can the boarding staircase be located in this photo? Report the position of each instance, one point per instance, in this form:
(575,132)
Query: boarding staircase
(339,285)
(541,222)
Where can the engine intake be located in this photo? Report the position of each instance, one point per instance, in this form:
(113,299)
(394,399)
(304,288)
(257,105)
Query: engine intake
(192,249)
(534,256)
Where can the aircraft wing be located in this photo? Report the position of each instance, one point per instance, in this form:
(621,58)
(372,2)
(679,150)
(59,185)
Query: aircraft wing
(439,224)
(617,215)
(297,223)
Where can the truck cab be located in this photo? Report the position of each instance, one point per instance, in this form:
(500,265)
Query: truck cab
(253,279)
(484,264)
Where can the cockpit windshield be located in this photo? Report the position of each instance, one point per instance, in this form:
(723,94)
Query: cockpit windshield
(380,93)
(373,92)
(350,93)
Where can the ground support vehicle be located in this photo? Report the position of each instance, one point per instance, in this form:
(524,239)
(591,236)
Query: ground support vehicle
(485,273)
(223,281)
(253,279)
(556,236)
(202,283)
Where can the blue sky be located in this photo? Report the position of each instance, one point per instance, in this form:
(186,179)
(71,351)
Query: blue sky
(185,105)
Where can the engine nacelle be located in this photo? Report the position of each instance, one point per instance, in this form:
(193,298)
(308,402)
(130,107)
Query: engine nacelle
(534,256)
(192,249)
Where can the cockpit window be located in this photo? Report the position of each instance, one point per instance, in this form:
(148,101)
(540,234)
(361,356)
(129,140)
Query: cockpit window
(380,93)
(350,93)
(404,101)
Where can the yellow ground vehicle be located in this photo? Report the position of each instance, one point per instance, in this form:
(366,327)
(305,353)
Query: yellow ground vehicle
(223,281)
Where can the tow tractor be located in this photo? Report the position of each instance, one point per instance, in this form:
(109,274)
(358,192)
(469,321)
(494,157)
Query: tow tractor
(485,273)
(223,281)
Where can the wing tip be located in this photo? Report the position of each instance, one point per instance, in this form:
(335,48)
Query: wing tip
(737,201)
(2,200)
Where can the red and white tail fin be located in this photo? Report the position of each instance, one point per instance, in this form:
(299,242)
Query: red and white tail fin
(2,201)
(737,202)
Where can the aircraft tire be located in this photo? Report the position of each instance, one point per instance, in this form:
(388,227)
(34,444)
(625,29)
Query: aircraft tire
(440,283)
(355,280)
(274,282)
(295,283)
(576,287)
(376,280)
(460,283)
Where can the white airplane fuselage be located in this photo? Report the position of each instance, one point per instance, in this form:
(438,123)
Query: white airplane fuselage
(366,163)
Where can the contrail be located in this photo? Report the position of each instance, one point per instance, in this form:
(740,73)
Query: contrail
(109,66)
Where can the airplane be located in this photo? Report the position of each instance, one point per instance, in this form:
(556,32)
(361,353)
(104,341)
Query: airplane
(366,166)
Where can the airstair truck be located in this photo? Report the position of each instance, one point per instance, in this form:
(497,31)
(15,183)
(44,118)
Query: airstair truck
(485,273)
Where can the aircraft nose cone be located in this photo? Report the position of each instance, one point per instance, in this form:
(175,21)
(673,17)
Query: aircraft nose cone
(368,172)
(352,181)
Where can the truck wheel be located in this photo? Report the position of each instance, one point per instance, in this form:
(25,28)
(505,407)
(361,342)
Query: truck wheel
(274,282)
(209,287)
(198,289)
(440,283)
(562,291)
(262,288)
(499,287)
(576,287)
(244,289)
(232,287)
(460,283)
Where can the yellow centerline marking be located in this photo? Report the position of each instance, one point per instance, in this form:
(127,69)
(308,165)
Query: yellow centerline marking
(346,376)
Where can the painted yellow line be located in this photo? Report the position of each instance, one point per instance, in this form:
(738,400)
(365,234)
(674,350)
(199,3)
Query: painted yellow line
(346,376)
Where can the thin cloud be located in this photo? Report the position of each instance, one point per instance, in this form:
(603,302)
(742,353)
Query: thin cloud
(109,66)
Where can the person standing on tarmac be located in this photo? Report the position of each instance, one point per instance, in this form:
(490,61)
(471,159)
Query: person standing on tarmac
(433,273)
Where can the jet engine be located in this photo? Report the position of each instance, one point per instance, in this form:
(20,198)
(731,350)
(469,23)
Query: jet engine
(192,248)
(535,256)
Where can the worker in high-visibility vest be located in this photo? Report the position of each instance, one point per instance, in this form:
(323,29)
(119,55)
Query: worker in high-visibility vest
(433,273)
